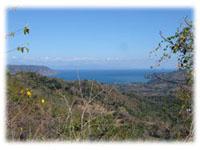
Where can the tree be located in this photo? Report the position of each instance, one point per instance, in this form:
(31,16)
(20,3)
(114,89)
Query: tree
(181,43)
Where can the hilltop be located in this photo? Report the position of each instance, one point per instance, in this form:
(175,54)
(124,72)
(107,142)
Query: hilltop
(43,70)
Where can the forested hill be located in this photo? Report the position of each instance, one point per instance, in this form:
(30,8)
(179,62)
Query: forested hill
(42,70)
(160,84)
(178,76)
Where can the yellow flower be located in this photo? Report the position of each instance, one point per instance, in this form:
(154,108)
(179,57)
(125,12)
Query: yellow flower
(28,93)
(22,91)
(42,101)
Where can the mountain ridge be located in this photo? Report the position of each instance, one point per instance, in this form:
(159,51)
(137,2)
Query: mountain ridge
(39,69)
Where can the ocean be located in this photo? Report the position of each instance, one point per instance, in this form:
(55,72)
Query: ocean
(109,76)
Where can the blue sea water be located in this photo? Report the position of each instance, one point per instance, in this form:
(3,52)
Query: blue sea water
(109,76)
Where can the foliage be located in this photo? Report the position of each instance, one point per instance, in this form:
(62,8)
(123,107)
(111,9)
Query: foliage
(96,112)
(24,47)
(26,30)
(180,44)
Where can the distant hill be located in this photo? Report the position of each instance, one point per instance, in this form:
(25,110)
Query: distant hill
(160,84)
(42,70)
(178,76)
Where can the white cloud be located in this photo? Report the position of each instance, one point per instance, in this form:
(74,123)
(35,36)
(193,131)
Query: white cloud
(83,62)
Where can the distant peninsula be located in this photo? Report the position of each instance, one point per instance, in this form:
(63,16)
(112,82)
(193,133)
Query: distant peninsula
(39,69)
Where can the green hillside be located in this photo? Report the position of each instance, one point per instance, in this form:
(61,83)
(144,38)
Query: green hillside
(42,108)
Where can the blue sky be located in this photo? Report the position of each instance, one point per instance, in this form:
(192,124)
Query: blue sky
(92,38)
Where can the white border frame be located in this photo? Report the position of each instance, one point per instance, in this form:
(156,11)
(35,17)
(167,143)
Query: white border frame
(195,4)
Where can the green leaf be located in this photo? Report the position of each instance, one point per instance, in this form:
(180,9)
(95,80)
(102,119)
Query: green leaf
(22,49)
(26,30)
(27,49)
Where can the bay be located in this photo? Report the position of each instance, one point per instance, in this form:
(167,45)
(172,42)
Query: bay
(109,76)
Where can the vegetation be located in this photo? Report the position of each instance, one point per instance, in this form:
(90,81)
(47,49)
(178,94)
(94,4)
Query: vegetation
(23,47)
(42,108)
(181,44)
(43,70)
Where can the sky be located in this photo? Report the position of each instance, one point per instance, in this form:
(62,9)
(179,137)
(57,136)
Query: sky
(92,38)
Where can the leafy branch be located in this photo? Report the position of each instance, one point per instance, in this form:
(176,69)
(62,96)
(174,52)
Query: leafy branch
(180,44)
(25,30)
